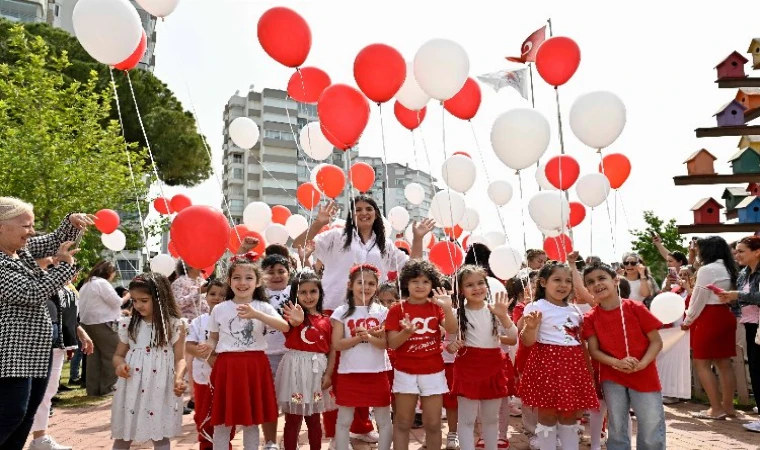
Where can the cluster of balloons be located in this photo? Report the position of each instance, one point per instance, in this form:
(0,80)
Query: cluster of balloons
(176,204)
(107,221)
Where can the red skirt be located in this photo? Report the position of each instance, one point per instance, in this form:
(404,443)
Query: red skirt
(480,374)
(243,390)
(450,398)
(363,390)
(557,377)
(713,334)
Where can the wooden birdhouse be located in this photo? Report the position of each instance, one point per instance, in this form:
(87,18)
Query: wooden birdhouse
(700,163)
(754,49)
(707,212)
(733,196)
(732,66)
(749,210)
(746,160)
(750,141)
(749,97)
(753,189)
(731,114)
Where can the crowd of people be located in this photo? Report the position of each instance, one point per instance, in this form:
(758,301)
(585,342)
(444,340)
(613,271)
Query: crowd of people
(364,340)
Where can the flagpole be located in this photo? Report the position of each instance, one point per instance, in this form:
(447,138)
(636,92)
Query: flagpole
(549,21)
(532,97)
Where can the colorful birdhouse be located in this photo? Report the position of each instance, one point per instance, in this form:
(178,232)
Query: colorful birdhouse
(707,212)
(749,97)
(754,49)
(732,66)
(746,160)
(749,210)
(753,189)
(700,163)
(731,114)
(733,196)
(750,141)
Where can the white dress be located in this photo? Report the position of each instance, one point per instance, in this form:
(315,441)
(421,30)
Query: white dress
(144,406)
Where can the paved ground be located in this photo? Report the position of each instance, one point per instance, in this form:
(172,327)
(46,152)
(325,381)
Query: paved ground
(88,428)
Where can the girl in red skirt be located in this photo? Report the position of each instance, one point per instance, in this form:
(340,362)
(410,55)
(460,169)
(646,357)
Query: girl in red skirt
(557,379)
(388,295)
(241,380)
(359,336)
(481,374)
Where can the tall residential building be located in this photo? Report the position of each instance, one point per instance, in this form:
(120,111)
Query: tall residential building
(27,11)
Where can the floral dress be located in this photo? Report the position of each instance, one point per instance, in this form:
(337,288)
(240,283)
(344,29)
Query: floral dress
(187,293)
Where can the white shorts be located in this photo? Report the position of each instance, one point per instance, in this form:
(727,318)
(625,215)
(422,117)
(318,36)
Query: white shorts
(422,385)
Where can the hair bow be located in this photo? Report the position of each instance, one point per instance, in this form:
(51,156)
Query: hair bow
(250,256)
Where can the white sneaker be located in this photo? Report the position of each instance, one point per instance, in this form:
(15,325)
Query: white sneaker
(271,446)
(754,410)
(533,442)
(752,426)
(46,443)
(452,441)
(371,438)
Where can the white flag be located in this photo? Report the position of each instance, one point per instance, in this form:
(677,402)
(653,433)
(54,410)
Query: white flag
(517,79)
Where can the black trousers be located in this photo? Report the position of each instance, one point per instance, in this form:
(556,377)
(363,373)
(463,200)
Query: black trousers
(19,400)
(753,357)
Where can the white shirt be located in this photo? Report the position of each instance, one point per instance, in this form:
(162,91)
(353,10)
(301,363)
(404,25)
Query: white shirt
(479,331)
(98,302)
(276,338)
(236,334)
(363,357)
(560,325)
(713,273)
(198,333)
(329,250)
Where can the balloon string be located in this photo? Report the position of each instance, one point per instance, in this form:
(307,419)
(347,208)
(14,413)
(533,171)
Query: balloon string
(385,162)
(299,147)
(622,207)
(607,205)
(414,149)
(488,178)
(522,210)
(532,97)
(591,231)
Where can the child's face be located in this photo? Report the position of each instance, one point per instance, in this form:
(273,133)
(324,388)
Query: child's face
(308,295)
(537,262)
(243,281)
(214,296)
(475,288)
(363,287)
(143,304)
(387,298)
(559,285)
(276,277)
(420,287)
(601,285)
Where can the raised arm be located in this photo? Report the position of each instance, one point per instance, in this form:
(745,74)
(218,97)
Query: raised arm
(419,230)
(48,244)
(323,218)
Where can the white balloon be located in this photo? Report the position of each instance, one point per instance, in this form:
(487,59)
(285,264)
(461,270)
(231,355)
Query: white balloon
(458,173)
(257,216)
(495,286)
(543,183)
(471,219)
(500,192)
(276,233)
(477,239)
(115,241)
(550,233)
(398,217)
(313,176)
(441,67)
(296,225)
(389,234)
(159,8)
(411,96)
(409,236)
(109,30)
(163,264)
(668,307)
(549,210)
(598,118)
(495,239)
(244,132)
(505,261)
(592,189)
(414,193)
(448,208)
(519,137)
(314,143)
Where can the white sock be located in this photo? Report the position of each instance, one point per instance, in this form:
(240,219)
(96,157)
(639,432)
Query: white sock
(250,437)
(547,437)
(384,427)
(568,437)
(596,423)
(222,437)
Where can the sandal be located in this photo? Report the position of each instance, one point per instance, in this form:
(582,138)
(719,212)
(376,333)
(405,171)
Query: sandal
(705,415)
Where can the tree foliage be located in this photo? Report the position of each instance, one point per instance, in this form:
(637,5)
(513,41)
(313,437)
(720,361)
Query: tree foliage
(644,246)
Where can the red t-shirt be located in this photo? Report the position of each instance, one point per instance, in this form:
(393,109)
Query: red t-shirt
(313,338)
(607,326)
(422,353)
(518,311)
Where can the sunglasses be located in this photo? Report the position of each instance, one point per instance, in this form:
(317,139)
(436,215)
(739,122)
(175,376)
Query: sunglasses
(630,263)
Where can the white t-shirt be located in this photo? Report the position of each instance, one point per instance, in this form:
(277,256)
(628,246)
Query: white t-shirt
(198,333)
(276,338)
(560,325)
(236,334)
(363,357)
(479,331)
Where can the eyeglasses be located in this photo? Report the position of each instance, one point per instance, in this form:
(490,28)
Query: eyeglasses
(630,263)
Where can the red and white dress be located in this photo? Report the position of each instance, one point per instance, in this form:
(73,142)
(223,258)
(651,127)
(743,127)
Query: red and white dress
(241,377)
(557,374)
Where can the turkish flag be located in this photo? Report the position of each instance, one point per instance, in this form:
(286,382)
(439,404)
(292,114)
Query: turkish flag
(530,47)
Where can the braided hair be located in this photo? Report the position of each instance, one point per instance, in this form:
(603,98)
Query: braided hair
(463,273)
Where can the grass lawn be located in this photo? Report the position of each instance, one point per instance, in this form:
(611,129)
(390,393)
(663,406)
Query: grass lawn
(77,397)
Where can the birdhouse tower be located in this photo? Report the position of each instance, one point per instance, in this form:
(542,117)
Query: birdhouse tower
(753,189)
(731,114)
(749,97)
(701,163)
(749,141)
(754,50)
(732,66)
(746,160)
(749,210)
(707,211)
(733,196)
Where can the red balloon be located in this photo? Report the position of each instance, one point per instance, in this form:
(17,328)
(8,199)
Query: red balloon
(379,71)
(280,214)
(208,271)
(462,153)
(107,221)
(331,180)
(307,84)
(136,56)
(447,256)
(432,243)
(308,195)
(557,60)
(562,171)
(172,249)
(466,240)
(161,205)
(403,244)
(240,232)
(557,248)
(343,115)
(285,36)
(180,202)
(453,232)
(201,234)
(466,102)
(362,176)
(577,214)
(408,118)
(617,168)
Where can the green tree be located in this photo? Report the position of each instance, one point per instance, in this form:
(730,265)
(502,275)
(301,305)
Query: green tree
(644,246)
(56,151)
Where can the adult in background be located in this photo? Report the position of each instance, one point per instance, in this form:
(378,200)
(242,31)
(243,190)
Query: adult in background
(643,287)
(25,327)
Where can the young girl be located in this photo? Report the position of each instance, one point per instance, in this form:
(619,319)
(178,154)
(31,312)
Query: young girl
(414,332)
(243,386)
(150,362)
(450,398)
(359,335)
(305,372)
(557,379)
(481,371)
(388,295)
